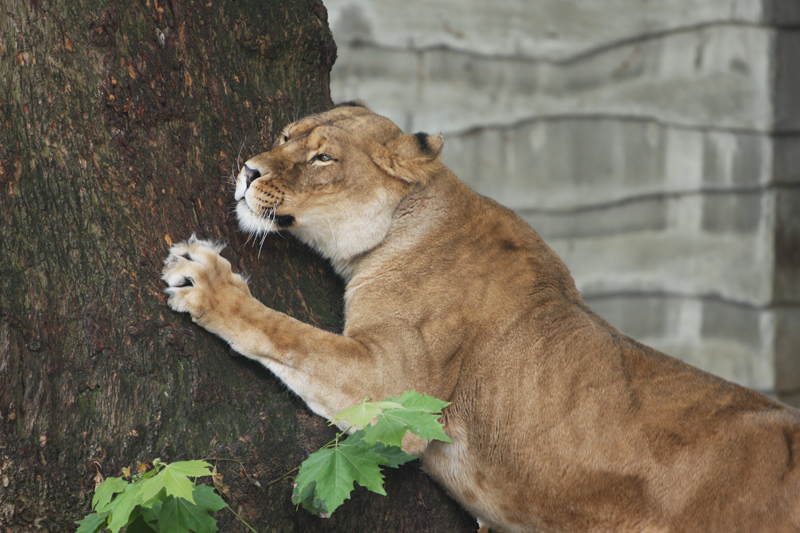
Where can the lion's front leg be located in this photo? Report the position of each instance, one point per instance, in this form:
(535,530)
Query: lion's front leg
(330,372)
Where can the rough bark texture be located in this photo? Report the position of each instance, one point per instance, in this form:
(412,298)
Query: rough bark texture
(120,124)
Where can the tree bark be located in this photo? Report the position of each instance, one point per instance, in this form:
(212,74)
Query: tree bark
(122,122)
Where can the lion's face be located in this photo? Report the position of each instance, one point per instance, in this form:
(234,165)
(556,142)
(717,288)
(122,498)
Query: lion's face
(334,180)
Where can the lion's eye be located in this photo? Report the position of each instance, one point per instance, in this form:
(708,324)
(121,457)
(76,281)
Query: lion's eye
(323,158)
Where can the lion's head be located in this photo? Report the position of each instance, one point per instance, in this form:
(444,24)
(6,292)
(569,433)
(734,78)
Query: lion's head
(335,179)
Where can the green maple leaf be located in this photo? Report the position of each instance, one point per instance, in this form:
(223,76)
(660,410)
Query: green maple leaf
(327,477)
(420,402)
(392,425)
(389,429)
(106,490)
(174,479)
(92,523)
(307,497)
(139,525)
(123,506)
(394,416)
(178,515)
(205,497)
(363,413)
(393,456)
(334,470)
(163,500)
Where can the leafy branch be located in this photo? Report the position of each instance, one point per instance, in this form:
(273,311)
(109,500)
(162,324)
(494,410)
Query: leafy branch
(327,477)
(166,500)
(162,500)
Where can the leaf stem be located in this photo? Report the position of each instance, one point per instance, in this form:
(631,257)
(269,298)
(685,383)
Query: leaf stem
(287,474)
(241,519)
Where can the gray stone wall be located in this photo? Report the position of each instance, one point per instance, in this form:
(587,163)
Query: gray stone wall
(654,145)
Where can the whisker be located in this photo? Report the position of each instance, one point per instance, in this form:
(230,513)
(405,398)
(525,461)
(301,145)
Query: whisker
(250,233)
(261,244)
(238,156)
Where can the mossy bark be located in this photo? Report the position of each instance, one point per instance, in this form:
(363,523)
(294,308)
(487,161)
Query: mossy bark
(120,124)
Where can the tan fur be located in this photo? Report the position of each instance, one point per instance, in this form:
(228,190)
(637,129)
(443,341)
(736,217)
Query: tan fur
(559,422)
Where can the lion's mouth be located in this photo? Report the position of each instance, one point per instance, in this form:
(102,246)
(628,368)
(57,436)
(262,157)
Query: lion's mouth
(283,221)
(266,212)
(265,221)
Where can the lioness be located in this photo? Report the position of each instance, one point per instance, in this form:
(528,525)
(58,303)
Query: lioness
(559,421)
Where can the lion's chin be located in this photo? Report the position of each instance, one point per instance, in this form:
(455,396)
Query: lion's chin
(253,224)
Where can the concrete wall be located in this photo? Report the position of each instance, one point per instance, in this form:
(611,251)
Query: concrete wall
(654,145)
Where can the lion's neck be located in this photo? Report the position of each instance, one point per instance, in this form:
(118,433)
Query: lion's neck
(416,222)
(347,235)
(353,237)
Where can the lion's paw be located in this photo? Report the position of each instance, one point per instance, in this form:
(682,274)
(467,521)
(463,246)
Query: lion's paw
(198,278)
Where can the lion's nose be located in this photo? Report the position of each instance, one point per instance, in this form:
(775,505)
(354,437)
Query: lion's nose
(250,175)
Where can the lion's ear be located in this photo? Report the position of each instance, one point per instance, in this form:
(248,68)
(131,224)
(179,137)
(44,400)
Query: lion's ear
(412,158)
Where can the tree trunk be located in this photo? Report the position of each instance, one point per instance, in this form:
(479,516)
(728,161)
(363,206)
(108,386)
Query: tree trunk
(122,121)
